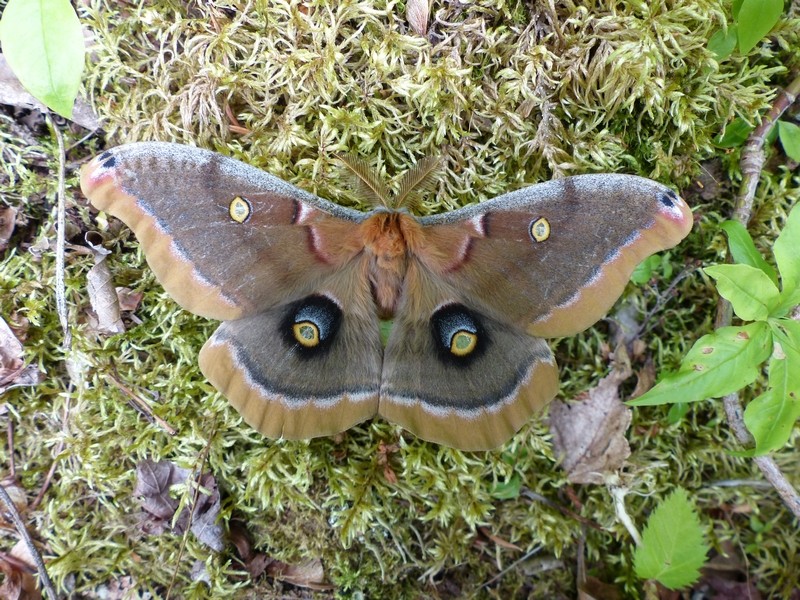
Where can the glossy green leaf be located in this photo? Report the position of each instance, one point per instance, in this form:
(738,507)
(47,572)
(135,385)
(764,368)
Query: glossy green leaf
(735,134)
(744,251)
(787,257)
(509,489)
(789,134)
(723,42)
(751,292)
(719,363)
(755,19)
(772,416)
(43,44)
(673,547)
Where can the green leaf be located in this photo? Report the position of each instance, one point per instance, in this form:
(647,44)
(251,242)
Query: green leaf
(736,7)
(787,257)
(771,416)
(673,547)
(676,412)
(750,291)
(43,44)
(644,270)
(723,42)
(719,363)
(756,19)
(744,250)
(508,490)
(735,134)
(789,134)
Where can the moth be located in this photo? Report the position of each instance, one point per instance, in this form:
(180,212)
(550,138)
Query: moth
(301,286)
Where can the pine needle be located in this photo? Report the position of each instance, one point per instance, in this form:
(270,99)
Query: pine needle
(366,181)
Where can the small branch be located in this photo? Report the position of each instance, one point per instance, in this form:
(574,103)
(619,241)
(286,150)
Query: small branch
(23,532)
(752,163)
(61,219)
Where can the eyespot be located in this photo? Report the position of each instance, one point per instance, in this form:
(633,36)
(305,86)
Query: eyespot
(306,333)
(458,334)
(310,325)
(239,209)
(540,229)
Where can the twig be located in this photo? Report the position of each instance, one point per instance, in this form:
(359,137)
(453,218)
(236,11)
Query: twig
(23,532)
(141,405)
(47,479)
(61,218)
(12,467)
(752,163)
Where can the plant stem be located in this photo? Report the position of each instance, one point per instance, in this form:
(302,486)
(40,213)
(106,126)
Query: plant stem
(752,162)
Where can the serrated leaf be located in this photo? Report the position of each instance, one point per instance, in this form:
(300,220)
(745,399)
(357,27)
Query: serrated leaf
(719,363)
(43,44)
(735,134)
(756,19)
(673,547)
(787,257)
(744,251)
(723,42)
(750,291)
(771,416)
(789,133)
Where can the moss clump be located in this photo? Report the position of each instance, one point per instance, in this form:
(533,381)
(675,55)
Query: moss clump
(509,96)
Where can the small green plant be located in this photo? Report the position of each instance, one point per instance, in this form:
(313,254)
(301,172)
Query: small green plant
(43,44)
(729,359)
(753,19)
(673,548)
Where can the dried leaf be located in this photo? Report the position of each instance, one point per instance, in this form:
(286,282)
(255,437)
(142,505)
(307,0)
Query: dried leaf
(128,299)
(205,514)
(13,372)
(418,13)
(589,436)
(17,568)
(497,540)
(153,481)
(8,215)
(102,294)
(645,378)
(308,574)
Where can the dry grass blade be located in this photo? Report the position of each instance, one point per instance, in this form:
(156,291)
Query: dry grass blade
(366,181)
(416,181)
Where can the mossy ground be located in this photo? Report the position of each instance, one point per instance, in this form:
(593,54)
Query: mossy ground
(510,93)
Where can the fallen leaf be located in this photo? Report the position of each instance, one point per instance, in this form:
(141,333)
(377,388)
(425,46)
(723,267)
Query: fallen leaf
(645,378)
(497,540)
(102,294)
(308,574)
(128,299)
(18,568)
(418,13)
(153,482)
(589,436)
(13,372)
(8,216)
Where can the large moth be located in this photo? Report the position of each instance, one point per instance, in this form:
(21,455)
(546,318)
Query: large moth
(301,285)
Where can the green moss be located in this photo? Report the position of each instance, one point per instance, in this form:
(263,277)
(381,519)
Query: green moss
(510,96)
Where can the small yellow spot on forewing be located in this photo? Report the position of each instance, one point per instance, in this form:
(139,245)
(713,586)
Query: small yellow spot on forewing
(239,209)
(540,229)
(463,343)
(306,333)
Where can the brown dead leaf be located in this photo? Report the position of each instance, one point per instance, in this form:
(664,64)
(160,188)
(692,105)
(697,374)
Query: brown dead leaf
(128,299)
(13,372)
(153,482)
(497,540)
(18,497)
(308,574)
(418,12)
(645,378)
(8,216)
(18,569)
(589,436)
(102,294)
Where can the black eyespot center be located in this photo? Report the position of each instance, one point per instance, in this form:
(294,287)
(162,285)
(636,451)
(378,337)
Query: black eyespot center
(108,160)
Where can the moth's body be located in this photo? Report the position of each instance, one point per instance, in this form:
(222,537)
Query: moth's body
(301,284)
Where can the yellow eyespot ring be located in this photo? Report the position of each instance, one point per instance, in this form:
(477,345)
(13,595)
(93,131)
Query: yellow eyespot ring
(306,333)
(463,342)
(540,229)
(239,209)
